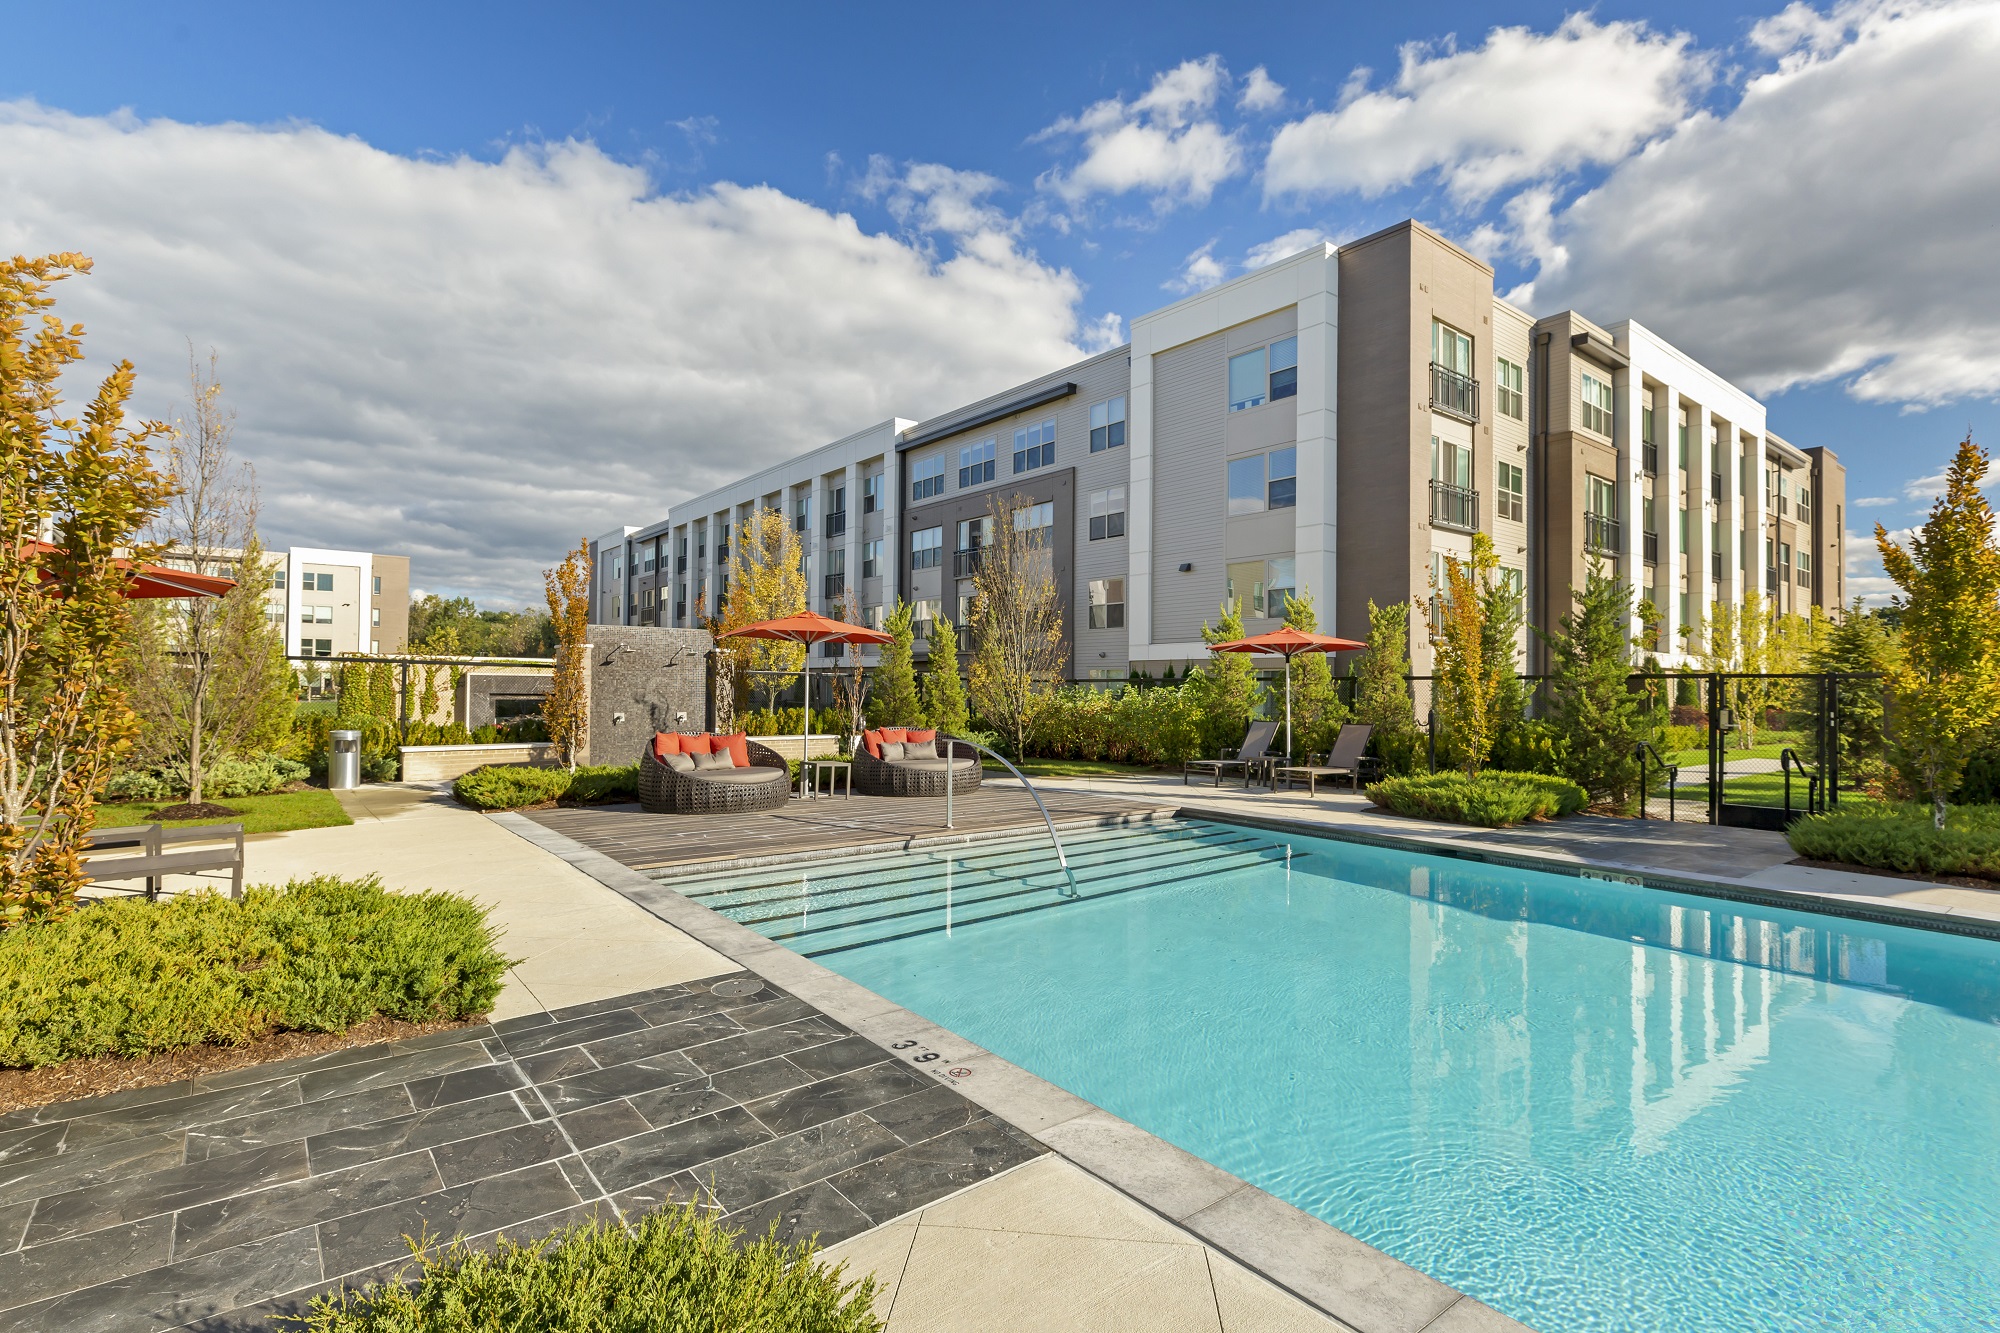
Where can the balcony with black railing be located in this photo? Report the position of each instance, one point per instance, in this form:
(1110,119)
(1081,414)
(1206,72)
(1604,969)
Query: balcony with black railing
(1651,542)
(965,564)
(836,523)
(1454,506)
(1454,394)
(1602,534)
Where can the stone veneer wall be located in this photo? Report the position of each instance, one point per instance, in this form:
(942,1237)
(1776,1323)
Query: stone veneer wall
(641,680)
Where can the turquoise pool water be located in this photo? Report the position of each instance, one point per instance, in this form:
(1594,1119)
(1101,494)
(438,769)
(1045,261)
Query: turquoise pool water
(1591,1105)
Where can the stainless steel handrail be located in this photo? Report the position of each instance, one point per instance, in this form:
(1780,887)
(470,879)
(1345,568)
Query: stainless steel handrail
(1062,857)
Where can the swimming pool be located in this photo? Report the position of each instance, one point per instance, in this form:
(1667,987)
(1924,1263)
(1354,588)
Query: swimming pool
(1590,1105)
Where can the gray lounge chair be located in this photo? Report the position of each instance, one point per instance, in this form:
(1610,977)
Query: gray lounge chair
(1255,750)
(1345,761)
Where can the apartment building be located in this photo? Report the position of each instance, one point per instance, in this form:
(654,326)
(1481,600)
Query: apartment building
(1337,424)
(329,602)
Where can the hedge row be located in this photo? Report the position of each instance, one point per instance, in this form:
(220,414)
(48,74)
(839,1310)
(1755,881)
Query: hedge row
(1493,799)
(1903,837)
(129,977)
(511,786)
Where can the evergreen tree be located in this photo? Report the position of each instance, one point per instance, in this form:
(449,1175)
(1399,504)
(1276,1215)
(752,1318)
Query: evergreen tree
(1500,650)
(943,691)
(1317,712)
(1864,652)
(893,702)
(1461,686)
(1947,685)
(1599,719)
(1382,688)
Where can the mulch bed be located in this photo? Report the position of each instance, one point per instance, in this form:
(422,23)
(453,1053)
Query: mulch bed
(187,810)
(110,1073)
(1951,881)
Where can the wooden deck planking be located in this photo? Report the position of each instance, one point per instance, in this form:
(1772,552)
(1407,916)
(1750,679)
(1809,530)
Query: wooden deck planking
(644,842)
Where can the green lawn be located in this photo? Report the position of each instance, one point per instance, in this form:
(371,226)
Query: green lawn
(1075,768)
(274,813)
(1754,789)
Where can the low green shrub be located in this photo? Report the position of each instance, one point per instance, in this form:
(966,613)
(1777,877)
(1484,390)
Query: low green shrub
(436,733)
(677,1269)
(130,977)
(1900,836)
(511,786)
(250,775)
(1674,738)
(519,731)
(1532,747)
(1493,799)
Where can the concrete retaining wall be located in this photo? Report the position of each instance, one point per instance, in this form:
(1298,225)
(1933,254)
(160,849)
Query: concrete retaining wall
(440,763)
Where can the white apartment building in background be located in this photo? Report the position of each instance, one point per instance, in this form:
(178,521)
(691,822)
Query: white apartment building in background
(1336,423)
(332,602)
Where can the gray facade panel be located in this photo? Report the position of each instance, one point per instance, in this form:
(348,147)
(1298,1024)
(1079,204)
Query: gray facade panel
(1190,393)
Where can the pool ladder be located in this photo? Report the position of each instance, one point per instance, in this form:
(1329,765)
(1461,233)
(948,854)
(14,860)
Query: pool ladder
(1062,857)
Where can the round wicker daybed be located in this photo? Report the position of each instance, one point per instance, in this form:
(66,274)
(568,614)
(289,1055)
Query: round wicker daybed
(765,785)
(924,775)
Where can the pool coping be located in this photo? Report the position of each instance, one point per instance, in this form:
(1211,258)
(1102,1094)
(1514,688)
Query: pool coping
(1466,847)
(1336,1273)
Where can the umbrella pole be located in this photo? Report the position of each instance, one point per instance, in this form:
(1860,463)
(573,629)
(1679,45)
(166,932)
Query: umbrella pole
(805,725)
(1288,712)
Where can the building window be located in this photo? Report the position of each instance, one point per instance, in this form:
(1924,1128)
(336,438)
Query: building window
(1513,493)
(1246,485)
(1244,584)
(927,477)
(378,585)
(1507,391)
(871,492)
(1683,442)
(1037,522)
(1450,348)
(923,615)
(315,583)
(975,462)
(1805,567)
(1451,464)
(1107,603)
(273,611)
(1247,383)
(871,559)
(1107,513)
(320,647)
(1284,368)
(1684,532)
(1034,446)
(802,513)
(1282,489)
(967,591)
(1281,580)
(871,615)
(1595,403)
(315,615)
(927,548)
(1107,425)
(375,615)
(1804,499)
(278,577)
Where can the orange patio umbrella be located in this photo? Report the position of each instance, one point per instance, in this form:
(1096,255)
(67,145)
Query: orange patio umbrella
(151,580)
(808,627)
(1287,643)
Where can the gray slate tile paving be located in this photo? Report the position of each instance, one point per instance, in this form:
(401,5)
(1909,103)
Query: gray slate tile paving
(223,1205)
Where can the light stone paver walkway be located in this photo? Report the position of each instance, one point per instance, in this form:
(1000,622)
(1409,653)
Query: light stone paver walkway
(1049,1246)
(576,941)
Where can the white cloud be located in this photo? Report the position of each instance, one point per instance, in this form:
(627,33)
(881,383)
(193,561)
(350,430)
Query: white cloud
(1874,501)
(1165,143)
(1836,223)
(1518,108)
(1284,247)
(1199,271)
(476,362)
(1260,92)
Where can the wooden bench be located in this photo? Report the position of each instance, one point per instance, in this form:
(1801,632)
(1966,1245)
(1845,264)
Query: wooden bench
(154,861)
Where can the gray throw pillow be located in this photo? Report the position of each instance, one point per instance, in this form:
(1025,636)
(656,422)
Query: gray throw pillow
(680,763)
(721,759)
(893,751)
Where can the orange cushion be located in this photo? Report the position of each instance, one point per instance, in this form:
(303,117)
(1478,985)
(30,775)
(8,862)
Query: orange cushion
(665,743)
(738,746)
(871,741)
(895,733)
(695,744)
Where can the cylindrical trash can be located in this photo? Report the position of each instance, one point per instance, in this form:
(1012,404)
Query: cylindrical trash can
(343,765)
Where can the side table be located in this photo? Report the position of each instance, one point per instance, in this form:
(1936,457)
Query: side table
(826,771)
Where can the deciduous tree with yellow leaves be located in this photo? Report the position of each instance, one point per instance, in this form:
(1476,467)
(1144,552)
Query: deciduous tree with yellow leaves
(767,581)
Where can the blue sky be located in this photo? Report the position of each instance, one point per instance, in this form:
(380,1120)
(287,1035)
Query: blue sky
(485,277)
